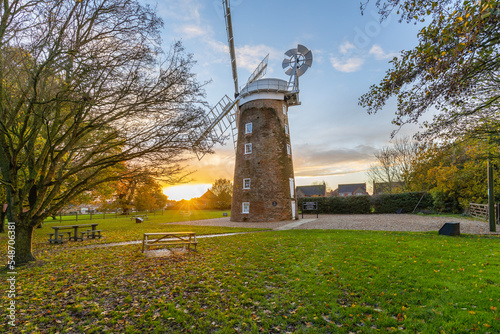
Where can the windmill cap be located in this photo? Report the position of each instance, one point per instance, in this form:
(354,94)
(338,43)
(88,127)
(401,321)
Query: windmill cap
(268,88)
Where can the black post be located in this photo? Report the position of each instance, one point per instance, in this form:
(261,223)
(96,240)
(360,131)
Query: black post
(491,199)
(76,215)
(60,216)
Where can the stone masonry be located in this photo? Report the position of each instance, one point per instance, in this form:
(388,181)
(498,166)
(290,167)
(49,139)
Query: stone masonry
(268,169)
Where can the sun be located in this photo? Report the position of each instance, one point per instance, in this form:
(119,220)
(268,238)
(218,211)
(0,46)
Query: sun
(186,191)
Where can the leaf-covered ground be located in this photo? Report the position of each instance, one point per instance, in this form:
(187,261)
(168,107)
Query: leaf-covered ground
(291,281)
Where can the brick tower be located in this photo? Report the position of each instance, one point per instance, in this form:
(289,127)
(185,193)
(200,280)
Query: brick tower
(264,185)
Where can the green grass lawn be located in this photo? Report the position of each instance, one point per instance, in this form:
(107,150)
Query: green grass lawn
(297,281)
(123,229)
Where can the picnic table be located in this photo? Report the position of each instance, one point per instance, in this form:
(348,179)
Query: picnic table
(168,238)
(57,236)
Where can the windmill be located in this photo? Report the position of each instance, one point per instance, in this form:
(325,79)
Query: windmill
(264,184)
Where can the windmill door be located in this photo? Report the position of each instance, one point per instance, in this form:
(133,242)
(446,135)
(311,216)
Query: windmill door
(293,210)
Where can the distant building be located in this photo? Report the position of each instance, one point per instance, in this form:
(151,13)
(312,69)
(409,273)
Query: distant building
(208,200)
(356,189)
(332,193)
(387,188)
(311,191)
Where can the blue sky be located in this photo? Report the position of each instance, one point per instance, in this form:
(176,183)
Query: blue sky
(333,139)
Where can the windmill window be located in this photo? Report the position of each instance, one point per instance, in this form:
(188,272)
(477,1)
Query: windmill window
(284,109)
(288,149)
(245,207)
(286,129)
(246,183)
(248,148)
(248,128)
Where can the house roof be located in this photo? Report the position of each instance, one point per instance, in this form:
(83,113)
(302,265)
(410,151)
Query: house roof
(208,196)
(314,190)
(350,188)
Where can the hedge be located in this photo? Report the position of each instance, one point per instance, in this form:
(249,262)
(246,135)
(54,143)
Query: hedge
(348,205)
(406,202)
(385,203)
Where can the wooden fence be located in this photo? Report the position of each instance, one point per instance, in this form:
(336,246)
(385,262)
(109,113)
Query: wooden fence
(75,216)
(481,211)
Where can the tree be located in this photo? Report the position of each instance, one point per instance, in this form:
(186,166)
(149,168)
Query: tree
(84,87)
(223,189)
(3,211)
(394,165)
(149,196)
(454,68)
(384,170)
(455,174)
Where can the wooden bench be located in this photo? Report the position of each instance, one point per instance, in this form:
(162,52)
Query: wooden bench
(93,234)
(57,236)
(168,239)
(52,238)
(145,217)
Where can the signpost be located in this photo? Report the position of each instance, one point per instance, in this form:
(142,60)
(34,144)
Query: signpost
(309,206)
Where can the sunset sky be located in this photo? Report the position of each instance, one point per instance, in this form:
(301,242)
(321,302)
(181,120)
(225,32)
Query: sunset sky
(333,139)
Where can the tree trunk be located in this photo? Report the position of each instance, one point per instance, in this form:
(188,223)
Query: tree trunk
(24,235)
(2,221)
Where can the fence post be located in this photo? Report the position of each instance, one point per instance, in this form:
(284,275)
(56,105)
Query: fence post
(76,215)
(491,199)
(60,216)
(90,214)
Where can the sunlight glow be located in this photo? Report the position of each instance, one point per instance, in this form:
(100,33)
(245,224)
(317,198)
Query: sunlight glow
(186,191)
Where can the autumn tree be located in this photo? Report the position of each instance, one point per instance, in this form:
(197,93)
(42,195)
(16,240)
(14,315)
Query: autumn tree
(149,196)
(85,86)
(455,175)
(223,189)
(453,69)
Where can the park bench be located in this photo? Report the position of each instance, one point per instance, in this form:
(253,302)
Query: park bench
(168,239)
(57,236)
(144,217)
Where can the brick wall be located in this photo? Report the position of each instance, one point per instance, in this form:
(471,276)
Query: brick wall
(269,167)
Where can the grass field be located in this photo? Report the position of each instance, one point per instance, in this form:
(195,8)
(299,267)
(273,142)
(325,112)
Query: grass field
(297,281)
(125,229)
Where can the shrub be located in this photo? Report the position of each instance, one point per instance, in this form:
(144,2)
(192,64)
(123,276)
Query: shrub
(444,202)
(391,203)
(347,205)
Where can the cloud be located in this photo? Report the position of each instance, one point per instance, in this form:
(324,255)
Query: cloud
(379,53)
(350,59)
(193,31)
(346,47)
(333,161)
(249,56)
(347,65)
(180,10)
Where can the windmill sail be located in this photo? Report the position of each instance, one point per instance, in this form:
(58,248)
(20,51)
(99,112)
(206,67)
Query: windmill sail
(216,123)
(260,71)
(230,40)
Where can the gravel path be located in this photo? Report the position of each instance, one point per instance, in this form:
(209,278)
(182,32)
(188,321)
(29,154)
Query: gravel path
(381,222)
